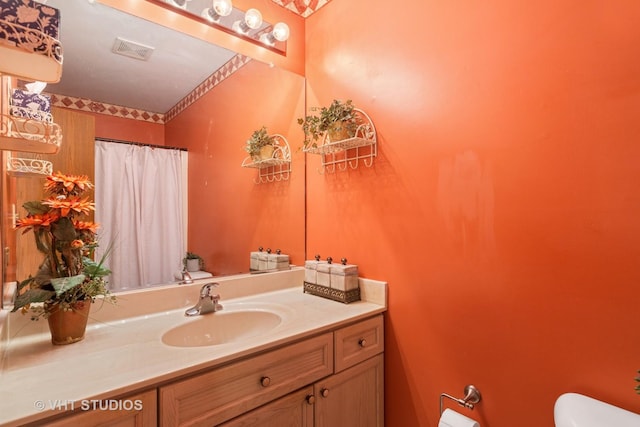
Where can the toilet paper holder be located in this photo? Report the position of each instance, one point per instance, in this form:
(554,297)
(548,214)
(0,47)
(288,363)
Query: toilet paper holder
(471,397)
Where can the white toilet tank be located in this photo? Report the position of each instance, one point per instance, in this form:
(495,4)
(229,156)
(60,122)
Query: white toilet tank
(577,410)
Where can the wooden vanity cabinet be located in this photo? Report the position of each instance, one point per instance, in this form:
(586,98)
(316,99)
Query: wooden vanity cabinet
(335,379)
(352,397)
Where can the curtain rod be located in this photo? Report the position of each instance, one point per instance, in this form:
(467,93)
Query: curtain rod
(141,144)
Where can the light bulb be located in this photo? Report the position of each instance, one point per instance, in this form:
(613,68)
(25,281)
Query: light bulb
(253,18)
(219,9)
(182,4)
(223,7)
(280,31)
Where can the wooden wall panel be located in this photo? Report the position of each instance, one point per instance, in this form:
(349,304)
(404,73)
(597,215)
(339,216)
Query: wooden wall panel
(75,157)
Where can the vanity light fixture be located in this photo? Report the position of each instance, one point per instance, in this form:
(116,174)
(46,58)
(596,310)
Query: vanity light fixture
(252,21)
(222,15)
(218,9)
(279,33)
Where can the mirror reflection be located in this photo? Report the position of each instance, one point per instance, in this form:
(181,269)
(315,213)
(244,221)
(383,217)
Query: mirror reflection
(208,104)
(248,25)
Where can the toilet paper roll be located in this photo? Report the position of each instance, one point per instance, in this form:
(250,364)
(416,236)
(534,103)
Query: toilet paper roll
(451,418)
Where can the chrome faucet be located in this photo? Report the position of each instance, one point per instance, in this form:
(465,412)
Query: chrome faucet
(208,303)
(186,278)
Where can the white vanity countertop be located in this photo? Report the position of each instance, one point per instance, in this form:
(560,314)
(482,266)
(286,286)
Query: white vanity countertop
(127,354)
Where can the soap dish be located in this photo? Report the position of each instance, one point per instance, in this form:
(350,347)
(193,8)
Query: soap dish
(331,293)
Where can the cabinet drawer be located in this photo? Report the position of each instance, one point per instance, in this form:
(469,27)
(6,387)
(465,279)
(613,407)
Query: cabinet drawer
(358,342)
(223,393)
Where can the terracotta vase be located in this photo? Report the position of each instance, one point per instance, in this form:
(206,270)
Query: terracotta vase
(338,131)
(68,326)
(266,152)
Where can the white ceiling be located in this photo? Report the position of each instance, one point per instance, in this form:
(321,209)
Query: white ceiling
(90,70)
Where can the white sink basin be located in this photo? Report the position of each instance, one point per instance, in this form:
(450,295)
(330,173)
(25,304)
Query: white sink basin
(221,327)
(577,410)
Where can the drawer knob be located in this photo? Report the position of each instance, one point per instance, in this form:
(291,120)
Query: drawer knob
(324,392)
(362,342)
(265,381)
(311,399)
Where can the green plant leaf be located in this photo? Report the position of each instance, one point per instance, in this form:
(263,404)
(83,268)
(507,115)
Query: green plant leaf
(93,269)
(36,207)
(32,296)
(63,284)
(42,240)
(63,230)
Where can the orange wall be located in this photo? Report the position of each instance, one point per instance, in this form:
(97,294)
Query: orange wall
(503,207)
(118,128)
(229,215)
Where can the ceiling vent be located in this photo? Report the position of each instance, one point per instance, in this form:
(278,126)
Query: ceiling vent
(132,49)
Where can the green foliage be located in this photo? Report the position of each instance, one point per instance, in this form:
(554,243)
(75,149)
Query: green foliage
(259,138)
(68,273)
(315,126)
(192,255)
(35,207)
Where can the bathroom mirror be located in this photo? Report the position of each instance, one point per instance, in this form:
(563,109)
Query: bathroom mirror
(245,215)
(247,24)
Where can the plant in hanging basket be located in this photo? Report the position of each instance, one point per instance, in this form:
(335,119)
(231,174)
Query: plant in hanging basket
(261,145)
(68,279)
(339,121)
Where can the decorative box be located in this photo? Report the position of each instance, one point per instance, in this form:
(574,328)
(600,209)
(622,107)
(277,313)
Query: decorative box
(277,261)
(263,261)
(32,15)
(30,105)
(29,40)
(344,276)
(254,259)
(323,273)
(310,269)
(335,282)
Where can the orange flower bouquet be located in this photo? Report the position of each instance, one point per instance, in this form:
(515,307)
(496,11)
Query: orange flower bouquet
(68,278)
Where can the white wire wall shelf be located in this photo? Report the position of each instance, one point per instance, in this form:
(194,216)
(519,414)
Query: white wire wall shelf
(344,154)
(275,168)
(18,167)
(29,135)
(30,53)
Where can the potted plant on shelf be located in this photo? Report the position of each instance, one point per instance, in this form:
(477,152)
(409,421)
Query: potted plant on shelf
(193,262)
(261,145)
(338,121)
(68,280)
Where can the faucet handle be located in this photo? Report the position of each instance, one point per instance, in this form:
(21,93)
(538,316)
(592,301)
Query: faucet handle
(205,291)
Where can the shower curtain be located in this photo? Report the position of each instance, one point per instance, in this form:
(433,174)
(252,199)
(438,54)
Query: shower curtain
(140,197)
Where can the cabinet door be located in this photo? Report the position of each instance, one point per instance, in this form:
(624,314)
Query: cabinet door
(293,410)
(231,390)
(139,410)
(352,398)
